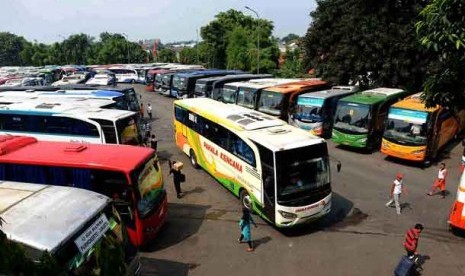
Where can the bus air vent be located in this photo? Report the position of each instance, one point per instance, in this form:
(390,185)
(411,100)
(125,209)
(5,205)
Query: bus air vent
(61,91)
(245,122)
(75,148)
(10,143)
(30,91)
(47,105)
(277,130)
(234,117)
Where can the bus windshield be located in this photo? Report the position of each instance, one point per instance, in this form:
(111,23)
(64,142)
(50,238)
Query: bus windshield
(270,102)
(149,185)
(245,98)
(132,100)
(166,79)
(128,130)
(158,78)
(309,109)
(200,88)
(406,127)
(352,117)
(179,83)
(229,95)
(299,174)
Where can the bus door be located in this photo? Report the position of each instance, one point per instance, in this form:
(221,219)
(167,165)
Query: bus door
(446,127)
(378,127)
(432,135)
(269,182)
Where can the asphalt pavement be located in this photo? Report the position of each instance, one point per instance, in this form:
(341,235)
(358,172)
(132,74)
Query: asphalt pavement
(359,237)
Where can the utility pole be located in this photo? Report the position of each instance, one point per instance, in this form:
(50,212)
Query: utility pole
(258,38)
(127,46)
(197,46)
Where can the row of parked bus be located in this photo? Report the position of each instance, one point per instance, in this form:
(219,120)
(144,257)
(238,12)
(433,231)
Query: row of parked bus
(78,137)
(393,120)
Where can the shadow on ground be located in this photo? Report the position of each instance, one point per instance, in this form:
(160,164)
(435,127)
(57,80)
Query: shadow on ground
(342,215)
(184,220)
(158,267)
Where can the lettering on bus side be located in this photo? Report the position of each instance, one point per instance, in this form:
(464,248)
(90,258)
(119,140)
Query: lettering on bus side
(223,157)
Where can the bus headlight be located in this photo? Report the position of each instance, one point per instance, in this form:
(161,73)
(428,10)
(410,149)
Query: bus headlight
(287,215)
(418,152)
(363,140)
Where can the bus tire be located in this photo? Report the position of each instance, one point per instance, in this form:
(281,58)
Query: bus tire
(246,201)
(426,163)
(193,159)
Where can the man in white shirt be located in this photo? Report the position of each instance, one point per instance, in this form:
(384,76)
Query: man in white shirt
(396,190)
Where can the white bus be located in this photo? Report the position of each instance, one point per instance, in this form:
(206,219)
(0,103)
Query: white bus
(279,171)
(70,224)
(66,122)
(125,75)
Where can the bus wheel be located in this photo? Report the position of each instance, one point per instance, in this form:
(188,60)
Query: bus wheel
(246,201)
(426,163)
(133,81)
(194,160)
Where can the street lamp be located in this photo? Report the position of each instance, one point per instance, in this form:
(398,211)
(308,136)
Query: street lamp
(127,46)
(258,38)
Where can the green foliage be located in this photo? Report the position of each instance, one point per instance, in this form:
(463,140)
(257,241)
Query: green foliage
(10,48)
(166,55)
(188,55)
(293,65)
(368,41)
(290,37)
(441,32)
(76,49)
(222,37)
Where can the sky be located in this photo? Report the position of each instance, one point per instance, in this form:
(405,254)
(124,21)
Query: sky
(48,21)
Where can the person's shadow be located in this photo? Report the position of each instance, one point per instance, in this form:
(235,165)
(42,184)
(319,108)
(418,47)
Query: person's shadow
(196,190)
(260,241)
(421,261)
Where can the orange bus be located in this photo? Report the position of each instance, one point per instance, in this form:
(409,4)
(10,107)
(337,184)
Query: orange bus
(280,100)
(130,175)
(414,132)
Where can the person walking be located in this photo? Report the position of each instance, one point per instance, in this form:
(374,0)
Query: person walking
(397,188)
(153,142)
(440,182)
(149,111)
(411,239)
(244,224)
(176,172)
(141,111)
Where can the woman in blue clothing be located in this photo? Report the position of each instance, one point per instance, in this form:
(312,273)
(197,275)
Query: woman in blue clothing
(245,222)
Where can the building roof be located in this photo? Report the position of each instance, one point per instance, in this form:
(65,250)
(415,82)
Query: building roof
(42,216)
(259,127)
(28,150)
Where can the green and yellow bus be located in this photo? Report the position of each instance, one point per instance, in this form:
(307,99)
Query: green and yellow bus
(279,171)
(359,119)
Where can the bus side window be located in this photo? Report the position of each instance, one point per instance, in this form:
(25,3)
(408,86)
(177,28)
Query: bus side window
(180,114)
(240,149)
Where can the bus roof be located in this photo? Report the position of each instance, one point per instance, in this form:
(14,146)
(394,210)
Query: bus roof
(296,86)
(42,216)
(335,91)
(414,102)
(38,99)
(261,83)
(28,150)
(58,93)
(259,127)
(62,108)
(373,96)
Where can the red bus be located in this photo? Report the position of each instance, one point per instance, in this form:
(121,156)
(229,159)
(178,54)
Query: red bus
(130,175)
(151,78)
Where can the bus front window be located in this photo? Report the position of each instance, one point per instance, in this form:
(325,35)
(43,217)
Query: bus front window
(200,88)
(270,102)
(406,127)
(245,98)
(128,130)
(302,176)
(309,109)
(228,95)
(149,185)
(179,83)
(353,118)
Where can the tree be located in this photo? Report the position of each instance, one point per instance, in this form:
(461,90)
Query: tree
(219,33)
(441,32)
(292,66)
(76,48)
(188,55)
(236,51)
(372,42)
(10,48)
(290,37)
(166,55)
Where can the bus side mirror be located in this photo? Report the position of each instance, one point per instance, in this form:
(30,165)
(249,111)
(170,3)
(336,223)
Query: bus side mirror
(339,166)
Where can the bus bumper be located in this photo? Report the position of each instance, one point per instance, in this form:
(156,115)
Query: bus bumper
(413,153)
(154,224)
(351,140)
(292,216)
